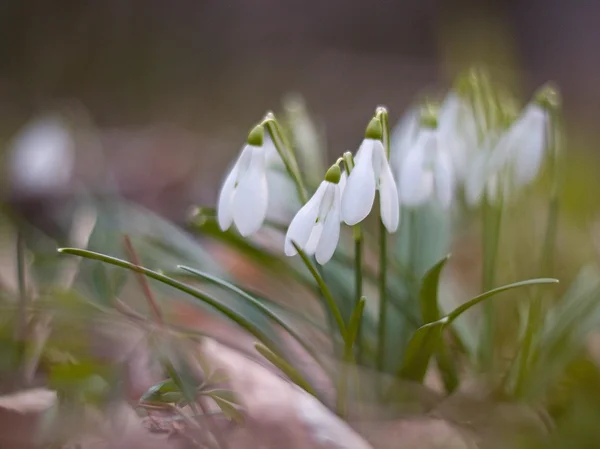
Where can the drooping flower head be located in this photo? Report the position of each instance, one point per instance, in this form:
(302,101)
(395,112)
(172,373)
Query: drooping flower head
(316,226)
(517,153)
(244,196)
(371,172)
(427,170)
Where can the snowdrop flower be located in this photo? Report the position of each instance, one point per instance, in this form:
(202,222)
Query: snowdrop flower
(519,152)
(403,138)
(243,199)
(42,155)
(427,169)
(522,145)
(316,226)
(457,130)
(371,172)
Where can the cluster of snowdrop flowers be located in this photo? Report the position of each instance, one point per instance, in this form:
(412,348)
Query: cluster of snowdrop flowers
(435,152)
(488,154)
(347,197)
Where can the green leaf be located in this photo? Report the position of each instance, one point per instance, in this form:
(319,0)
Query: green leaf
(224,394)
(217,305)
(430,312)
(477,299)
(229,409)
(155,391)
(285,367)
(355,321)
(428,294)
(421,347)
(426,340)
(259,306)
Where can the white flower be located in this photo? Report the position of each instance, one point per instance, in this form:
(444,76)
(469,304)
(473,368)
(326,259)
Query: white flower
(522,145)
(316,226)
(426,172)
(42,156)
(403,138)
(510,159)
(371,172)
(243,199)
(457,129)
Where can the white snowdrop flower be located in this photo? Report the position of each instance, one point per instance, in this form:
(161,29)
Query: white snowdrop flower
(371,172)
(427,169)
(480,178)
(316,226)
(522,146)
(243,199)
(403,138)
(457,130)
(42,155)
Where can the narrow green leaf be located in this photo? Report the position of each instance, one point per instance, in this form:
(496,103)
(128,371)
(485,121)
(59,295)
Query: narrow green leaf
(426,340)
(184,383)
(430,312)
(421,347)
(259,306)
(285,367)
(428,293)
(227,395)
(355,320)
(229,409)
(477,299)
(225,310)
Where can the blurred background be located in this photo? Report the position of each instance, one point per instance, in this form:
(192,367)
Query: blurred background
(158,98)
(173,87)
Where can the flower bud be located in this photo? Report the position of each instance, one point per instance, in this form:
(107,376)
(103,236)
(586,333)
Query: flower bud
(256,136)
(374,129)
(334,174)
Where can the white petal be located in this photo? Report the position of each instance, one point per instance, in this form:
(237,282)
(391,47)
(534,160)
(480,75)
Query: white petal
(475,183)
(416,183)
(529,156)
(303,223)
(403,137)
(228,189)
(251,197)
(331,232)
(455,133)
(359,193)
(225,204)
(444,179)
(388,199)
(313,239)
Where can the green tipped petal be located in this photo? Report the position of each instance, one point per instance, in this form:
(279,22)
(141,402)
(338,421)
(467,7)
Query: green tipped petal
(374,129)
(256,136)
(334,174)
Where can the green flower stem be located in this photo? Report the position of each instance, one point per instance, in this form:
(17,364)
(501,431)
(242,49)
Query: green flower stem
(331,304)
(358,283)
(347,358)
(491,219)
(547,254)
(380,361)
(382,296)
(286,154)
